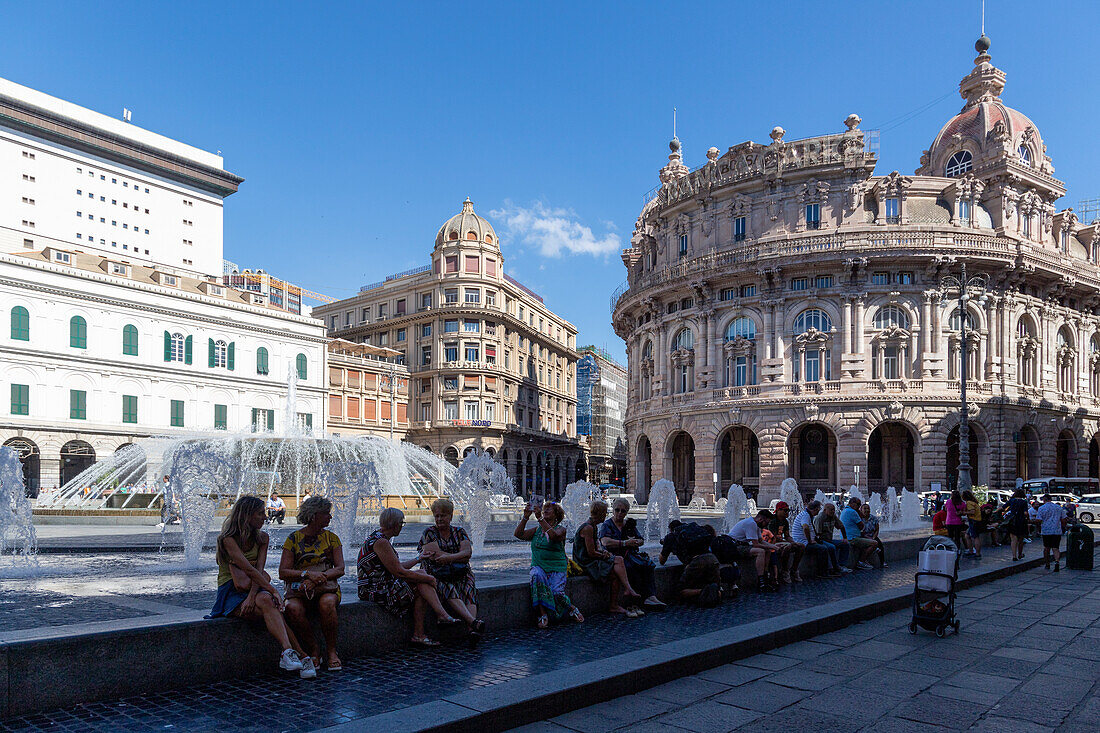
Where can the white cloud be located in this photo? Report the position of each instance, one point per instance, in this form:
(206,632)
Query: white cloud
(555,232)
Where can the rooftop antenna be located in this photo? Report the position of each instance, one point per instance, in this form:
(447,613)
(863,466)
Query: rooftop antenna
(983,17)
(674,116)
(125,115)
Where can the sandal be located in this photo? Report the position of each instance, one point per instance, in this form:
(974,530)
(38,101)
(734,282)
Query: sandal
(424,642)
(477,627)
(543,622)
(335,667)
(576,615)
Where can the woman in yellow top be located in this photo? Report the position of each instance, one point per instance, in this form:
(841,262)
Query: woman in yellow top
(313,559)
(244,589)
(975,525)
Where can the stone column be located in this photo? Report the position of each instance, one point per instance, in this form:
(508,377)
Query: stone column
(846,327)
(991,338)
(769,331)
(859,348)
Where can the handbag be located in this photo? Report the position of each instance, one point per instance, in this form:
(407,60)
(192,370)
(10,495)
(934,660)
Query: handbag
(294,589)
(450,572)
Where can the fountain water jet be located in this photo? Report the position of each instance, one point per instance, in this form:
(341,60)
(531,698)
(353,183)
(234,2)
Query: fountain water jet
(736,507)
(15,510)
(479,479)
(661,509)
(577,502)
(788,492)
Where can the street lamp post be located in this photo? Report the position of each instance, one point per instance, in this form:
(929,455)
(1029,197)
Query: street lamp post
(967,289)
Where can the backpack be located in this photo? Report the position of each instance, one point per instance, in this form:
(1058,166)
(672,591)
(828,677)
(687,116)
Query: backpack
(728,550)
(692,540)
(710,596)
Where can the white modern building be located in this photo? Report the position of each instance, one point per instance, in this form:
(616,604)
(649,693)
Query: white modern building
(77,179)
(96,352)
(114,321)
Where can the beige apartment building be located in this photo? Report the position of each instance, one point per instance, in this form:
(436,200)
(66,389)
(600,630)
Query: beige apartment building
(368,391)
(790,313)
(490,366)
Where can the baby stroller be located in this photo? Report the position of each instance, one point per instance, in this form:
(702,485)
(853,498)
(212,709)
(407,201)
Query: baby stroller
(934,587)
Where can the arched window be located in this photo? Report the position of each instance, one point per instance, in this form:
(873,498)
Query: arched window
(1027,353)
(890,316)
(176,344)
(1066,357)
(959,163)
(78,332)
(741,328)
(129,340)
(302,366)
(472,236)
(262,364)
(20,324)
(1025,155)
(740,353)
(956,321)
(683,340)
(220,355)
(812,318)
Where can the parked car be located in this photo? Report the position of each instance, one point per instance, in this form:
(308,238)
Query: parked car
(1088,509)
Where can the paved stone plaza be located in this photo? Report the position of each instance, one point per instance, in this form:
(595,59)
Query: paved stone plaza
(1011,631)
(1025,660)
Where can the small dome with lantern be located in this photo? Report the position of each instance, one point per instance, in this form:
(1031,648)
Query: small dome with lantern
(985,130)
(466,226)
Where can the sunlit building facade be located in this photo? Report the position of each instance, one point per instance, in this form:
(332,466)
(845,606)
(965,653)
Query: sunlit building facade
(788,312)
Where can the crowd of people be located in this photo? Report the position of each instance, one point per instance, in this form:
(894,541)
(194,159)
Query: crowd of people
(1014,522)
(607,549)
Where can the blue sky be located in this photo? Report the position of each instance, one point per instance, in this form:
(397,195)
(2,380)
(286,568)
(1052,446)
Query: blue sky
(360,128)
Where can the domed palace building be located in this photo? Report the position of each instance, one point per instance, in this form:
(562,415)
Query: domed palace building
(491,367)
(789,313)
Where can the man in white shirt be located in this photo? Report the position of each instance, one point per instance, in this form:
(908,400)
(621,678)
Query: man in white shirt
(749,530)
(1052,523)
(276,509)
(802,532)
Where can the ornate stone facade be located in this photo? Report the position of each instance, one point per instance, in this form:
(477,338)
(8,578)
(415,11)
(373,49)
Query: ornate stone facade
(491,367)
(786,312)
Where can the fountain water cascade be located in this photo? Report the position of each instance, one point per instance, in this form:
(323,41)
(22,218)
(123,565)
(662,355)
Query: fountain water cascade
(736,507)
(350,485)
(788,492)
(576,503)
(479,479)
(661,509)
(910,509)
(16,530)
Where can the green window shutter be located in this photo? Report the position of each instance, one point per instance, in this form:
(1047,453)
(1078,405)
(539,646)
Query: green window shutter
(78,333)
(78,404)
(255,416)
(187,350)
(309,421)
(302,367)
(177,414)
(220,417)
(271,421)
(210,354)
(20,324)
(229,355)
(20,399)
(261,361)
(167,346)
(129,408)
(129,340)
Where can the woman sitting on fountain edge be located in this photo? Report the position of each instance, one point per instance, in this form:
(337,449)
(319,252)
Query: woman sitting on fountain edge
(619,535)
(548,562)
(393,584)
(601,565)
(446,551)
(313,559)
(245,590)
